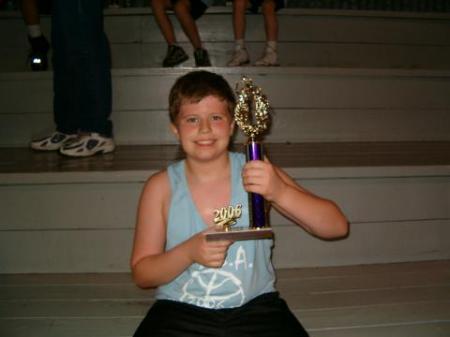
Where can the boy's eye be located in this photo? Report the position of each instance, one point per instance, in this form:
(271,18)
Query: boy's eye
(191,120)
(217,117)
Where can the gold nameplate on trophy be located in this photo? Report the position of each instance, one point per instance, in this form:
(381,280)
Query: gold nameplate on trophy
(225,220)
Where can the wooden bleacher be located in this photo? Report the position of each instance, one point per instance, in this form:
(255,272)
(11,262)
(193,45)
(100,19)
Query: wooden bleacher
(361,116)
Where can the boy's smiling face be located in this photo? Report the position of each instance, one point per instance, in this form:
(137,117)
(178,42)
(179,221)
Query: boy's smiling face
(204,128)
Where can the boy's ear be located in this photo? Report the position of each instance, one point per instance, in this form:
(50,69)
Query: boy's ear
(174,130)
(232,127)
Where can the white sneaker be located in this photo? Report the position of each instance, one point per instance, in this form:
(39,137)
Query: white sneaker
(52,142)
(88,145)
(240,58)
(270,58)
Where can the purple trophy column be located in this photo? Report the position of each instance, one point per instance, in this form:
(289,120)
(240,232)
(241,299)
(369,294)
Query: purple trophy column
(257,207)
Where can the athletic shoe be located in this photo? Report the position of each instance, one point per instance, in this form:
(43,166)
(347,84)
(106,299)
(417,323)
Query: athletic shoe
(240,58)
(201,58)
(175,55)
(53,142)
(270,58)
(38,56)
(88,145)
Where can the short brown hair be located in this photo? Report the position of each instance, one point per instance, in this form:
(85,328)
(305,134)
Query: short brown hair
(196,85)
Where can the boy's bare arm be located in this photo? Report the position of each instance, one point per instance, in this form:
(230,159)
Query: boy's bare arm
(151,265)
(320,217)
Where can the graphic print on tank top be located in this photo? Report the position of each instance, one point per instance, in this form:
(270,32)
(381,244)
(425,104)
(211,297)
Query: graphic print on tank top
(211,280)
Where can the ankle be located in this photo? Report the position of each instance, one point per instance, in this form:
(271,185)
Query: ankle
(271,46)
(239,44)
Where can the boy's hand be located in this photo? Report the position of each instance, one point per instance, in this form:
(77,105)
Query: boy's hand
(208,253)
(262,177)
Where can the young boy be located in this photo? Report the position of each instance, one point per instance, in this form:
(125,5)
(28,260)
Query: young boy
(186,11)
(215,288)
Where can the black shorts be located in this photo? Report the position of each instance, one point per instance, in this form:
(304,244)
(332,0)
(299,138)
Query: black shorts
(265,316)
(198,7)
(255,4)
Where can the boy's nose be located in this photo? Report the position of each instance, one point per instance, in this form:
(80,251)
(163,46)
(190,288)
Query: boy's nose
(205,126)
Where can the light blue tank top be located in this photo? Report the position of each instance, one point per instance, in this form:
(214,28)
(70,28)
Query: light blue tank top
(247,271)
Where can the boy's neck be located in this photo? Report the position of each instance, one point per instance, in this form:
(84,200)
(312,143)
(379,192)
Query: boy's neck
(208,171)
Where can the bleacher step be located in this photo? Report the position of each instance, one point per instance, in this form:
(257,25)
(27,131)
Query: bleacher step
(310,104)
(308,38)
(77,215)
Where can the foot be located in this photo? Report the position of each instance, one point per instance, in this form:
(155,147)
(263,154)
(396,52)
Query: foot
(87,145)
(270,58)
(175,55)
(38,56)
(240,58)
(52,142)
(202,58)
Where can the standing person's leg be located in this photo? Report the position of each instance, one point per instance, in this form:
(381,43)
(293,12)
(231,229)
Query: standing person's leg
(240,55)
(175,54)
(95,70)
(183,11)
(91,81)
(65,97)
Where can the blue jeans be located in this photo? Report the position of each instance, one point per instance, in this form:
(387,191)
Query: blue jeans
(82,63)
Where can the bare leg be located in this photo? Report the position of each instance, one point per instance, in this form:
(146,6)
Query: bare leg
(182,10)
(240,55)
(270,57)
(239,7)
(30,12)
(159,8)
(270,20)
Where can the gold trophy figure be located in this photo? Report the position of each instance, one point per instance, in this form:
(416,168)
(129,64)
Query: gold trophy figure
(252,116)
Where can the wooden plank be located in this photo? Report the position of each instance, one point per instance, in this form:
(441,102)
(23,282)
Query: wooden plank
(123,292)
(296,54)
(308,91)
(105,206)
(369,300)
(113,205)
(291,54)
(48,327)
(406,270)
(151,127)
(304,161)
(295,25)
(410,270)
(367,243)
(108,250)
(76,308)
(419,329)
(20,280)
(370,297)
(438,267)
(301,88)
(75,292)
(379,315)
(352,40)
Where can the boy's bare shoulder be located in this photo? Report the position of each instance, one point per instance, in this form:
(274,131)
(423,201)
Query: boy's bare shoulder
(158,181)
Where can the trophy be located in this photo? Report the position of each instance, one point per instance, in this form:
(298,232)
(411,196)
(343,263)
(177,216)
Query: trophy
(252,116)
